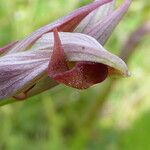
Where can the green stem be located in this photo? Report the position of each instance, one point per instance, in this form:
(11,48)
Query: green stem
(5,102)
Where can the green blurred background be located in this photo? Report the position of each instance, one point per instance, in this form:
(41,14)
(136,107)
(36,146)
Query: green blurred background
(114,115)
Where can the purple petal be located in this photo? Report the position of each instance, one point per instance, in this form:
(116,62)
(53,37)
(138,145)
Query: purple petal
(103,29)
(67,23)
(95,16)
(7,47)
(19,72)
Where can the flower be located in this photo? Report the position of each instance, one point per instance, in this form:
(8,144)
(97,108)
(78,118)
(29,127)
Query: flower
(69,51)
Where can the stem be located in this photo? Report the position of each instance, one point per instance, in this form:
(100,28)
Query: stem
(5,102)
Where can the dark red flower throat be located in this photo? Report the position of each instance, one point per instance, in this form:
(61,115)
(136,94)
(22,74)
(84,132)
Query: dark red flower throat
(81,76)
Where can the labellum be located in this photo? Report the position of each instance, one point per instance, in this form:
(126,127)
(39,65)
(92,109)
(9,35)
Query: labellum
(69,51)
(81,76)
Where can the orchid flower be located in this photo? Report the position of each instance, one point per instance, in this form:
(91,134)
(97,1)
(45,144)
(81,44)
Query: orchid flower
(69,51)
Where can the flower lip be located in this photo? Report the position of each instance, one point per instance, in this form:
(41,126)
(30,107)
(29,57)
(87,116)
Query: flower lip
(81,76)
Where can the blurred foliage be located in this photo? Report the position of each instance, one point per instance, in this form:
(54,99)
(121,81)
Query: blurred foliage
(106,117)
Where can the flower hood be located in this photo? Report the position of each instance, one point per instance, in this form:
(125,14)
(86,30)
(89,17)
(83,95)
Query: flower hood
(69,51)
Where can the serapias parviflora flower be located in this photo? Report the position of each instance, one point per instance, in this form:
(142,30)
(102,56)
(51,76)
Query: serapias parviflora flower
(69,51)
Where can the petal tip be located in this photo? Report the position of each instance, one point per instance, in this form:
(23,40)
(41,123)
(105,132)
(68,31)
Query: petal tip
(128,74)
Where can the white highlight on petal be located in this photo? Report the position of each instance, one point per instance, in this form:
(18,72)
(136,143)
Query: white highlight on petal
(102,30)
(94,17)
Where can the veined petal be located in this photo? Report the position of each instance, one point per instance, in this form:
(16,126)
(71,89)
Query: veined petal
(20,71)
(67,23)
(7,48)
(95,16)
(81,47)
(103,29)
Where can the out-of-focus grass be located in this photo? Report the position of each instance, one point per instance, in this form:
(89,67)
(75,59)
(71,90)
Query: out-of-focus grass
(55,119)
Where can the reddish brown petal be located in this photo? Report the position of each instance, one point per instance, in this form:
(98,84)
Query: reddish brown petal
(58,59)
(81,76)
